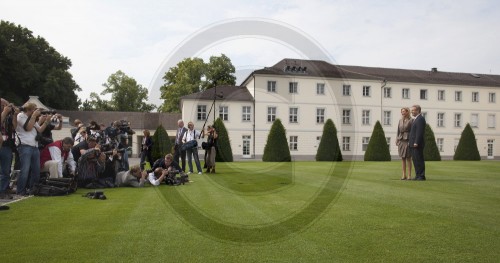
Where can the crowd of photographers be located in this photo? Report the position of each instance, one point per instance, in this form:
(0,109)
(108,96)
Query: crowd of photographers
(95,155)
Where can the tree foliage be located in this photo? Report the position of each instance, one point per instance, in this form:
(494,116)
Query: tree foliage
(30,66)
(377,150)
(126,95)
(224,151)
(276,149)
(161,143)
(467,146)
(329,149)
(193,75)
(431,151)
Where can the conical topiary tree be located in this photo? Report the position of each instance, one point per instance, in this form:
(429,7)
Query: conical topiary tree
(377,150)
(161,143)
(224,151)
(276,149)
(431,151)
(467,146)
(329,149)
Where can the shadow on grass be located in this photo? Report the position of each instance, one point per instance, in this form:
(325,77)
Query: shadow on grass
(252,179)
(264,233)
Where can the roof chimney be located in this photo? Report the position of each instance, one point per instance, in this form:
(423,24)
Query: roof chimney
(434,70)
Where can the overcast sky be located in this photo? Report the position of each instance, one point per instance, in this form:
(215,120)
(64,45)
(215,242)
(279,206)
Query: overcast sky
(101,37)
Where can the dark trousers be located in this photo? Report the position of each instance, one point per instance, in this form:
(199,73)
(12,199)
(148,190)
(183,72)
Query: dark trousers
(418,161)
(180,154)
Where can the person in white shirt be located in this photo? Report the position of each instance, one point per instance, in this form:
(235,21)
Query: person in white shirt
(29,154)
(55,155)
(157,176)
(191,135)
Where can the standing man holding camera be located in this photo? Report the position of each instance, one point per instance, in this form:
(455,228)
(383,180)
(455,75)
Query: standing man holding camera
(191,135)
(29,155)
(8,122)
(179,153)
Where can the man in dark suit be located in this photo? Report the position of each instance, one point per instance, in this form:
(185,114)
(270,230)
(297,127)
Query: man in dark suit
(417,142)
(179,153)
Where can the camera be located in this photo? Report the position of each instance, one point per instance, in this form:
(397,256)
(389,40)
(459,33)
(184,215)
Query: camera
(111,152)
(48,112)
(21,108)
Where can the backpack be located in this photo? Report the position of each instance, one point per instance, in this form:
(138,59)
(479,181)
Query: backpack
(50,190)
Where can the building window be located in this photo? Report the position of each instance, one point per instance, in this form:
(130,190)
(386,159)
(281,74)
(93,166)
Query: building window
(387,92)
(423,94)
(440,119)
(491,121)
(474,120)
(366,91)
(202,112)
(439,143)
(387,118)
(475,96)
(246,113)
(320,115)
(458,96)
(440,94)
(320,88)
(458,120)
(346,90)
(346,116)
(492,97)
(294,113)
(271,86)
(364,143)
(388,140)
(271,114)
(293,143)
(405,94)
(424,114)
(224,113)
(346,143)
(365,117)
(292,87)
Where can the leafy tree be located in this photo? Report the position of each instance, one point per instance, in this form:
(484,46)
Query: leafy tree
(329,149)
(467,146)
(126,95)
(378,150)
(219,71)
(224,151)
(161,143)
(30,66)
(193,75)
(431,151)
(276,149)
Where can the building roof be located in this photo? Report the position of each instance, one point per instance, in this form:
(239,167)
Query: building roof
(225,92)
(138,120)
(318,68)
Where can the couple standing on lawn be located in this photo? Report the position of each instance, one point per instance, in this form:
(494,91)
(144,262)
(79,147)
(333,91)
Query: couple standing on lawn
(410,141)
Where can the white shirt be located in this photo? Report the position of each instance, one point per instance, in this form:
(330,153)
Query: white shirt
(153,180)
(190,135)
(26,137)
(55,155)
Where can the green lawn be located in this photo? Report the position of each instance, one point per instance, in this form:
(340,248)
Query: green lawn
(271,212)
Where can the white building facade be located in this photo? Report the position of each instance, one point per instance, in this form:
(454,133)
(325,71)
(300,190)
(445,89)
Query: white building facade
(305,93)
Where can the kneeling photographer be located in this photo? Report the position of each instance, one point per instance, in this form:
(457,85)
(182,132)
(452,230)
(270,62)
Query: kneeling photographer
(172,168)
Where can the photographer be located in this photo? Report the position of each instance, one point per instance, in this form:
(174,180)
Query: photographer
(134,177)
(81,148)
(8,122)
(55,155)
(27,129)
(90,165)
(146,149)
(170,167)
(210,149)
(190,136)
(54,124)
